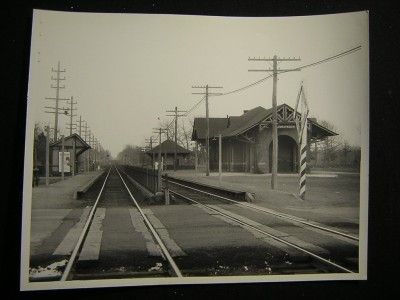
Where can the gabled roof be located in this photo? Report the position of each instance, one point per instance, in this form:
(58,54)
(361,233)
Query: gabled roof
(80,143)
(168,147)
(236,125)
(246,121)
(217,125)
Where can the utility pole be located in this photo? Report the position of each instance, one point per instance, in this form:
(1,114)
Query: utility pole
(80,126)
(150,142)
(275,72)
(207,93)
(159,131)
(95,151)
(57,87)
(176,115)
(71,109)
(86,152)
(91,136)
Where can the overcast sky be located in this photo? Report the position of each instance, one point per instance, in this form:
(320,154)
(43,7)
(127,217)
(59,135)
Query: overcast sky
(126,70)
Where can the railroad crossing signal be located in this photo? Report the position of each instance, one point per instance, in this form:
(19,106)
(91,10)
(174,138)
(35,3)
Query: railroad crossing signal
(301,126)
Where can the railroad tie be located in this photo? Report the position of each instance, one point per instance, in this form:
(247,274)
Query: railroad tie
(91,247)
(172,246)
(68,243)
(138,224)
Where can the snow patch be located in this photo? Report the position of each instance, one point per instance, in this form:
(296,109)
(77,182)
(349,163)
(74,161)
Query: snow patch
(51,270)
(157,267)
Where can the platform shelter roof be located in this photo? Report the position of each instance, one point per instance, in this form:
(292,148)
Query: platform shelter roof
(80,144)
(168,147)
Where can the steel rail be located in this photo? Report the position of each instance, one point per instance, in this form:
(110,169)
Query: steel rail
(268,211)
(83,234)
(316,256)
(154,233)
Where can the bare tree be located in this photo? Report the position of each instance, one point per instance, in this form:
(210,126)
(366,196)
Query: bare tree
(186,134)
(168,126)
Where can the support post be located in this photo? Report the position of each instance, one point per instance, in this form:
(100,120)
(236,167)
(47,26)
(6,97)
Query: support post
(195,158)
(62,157)
(159,163)
(207,94)
(274,127)
(207,136)
(47,154)
(220,157)
(166,190)
(176,138)
(73,158)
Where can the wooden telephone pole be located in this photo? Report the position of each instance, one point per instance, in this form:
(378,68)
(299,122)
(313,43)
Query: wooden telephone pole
(150,142)
(56,109)
(86,152)
(275,72)
(207,93)
(71,126)
(80,125)
(176,115)
(159,132)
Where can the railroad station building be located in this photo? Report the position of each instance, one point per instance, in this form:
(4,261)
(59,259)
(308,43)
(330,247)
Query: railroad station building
(184,156)
(247,140)
(74,146)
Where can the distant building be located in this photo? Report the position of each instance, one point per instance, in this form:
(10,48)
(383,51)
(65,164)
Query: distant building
(247,140)
(184,160)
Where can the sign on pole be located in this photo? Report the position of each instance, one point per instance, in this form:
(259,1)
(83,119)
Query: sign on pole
(301,126)
(67,161)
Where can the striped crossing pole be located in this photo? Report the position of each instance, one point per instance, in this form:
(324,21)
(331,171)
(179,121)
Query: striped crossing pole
(303,159)
(302,128)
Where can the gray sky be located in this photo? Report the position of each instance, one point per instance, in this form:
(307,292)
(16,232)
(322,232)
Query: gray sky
(125,70)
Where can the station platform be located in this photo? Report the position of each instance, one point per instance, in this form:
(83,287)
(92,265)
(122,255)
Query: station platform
(55,211)
(60,194)
(331,198)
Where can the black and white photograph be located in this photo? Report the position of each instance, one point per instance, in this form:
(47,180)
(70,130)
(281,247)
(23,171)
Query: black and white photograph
(166,149)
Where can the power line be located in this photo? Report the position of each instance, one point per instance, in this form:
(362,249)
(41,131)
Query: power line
(195,106)
(275,71)
(344,53)
(339,55)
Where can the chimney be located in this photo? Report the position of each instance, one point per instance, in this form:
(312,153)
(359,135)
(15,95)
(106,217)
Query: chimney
(228,121)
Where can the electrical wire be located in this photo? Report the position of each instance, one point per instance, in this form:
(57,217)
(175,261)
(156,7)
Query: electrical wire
(344,53)
(336,56)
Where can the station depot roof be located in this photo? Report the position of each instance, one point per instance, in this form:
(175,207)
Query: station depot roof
(232,126)
(80,144)
(168,147)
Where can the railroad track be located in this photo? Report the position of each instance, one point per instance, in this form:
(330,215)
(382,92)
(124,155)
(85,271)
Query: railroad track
(205,245)
(113,184)
(256,221)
